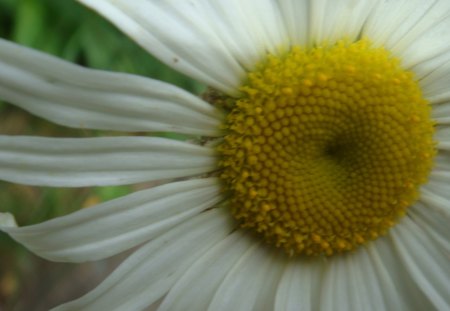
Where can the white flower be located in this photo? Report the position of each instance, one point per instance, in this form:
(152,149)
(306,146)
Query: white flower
(194,256)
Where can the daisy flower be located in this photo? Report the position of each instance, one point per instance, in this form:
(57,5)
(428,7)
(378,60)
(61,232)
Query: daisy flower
(318,173)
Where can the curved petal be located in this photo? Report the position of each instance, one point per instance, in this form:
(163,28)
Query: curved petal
(436,192)
(435,86)
(352,283)
(433,222)
(112,227)
(364,287)
(431,196)
(300,286)
(149,273)
(331,20)
(78,97)
(296,17)
(270,279)
(426,262)
(196,288)
(75,162)
(332,292)
(408,296)
(324,21)
(212,41)
(392,296)
(248,31)
(245,283)
(414,30)
(175,32)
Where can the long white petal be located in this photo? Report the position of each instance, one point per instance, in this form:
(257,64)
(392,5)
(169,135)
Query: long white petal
(112,227)
(269,281)
(331,20)
(433,222)
(151,271)
(435,199)
(392,296)
(244,283)
(414,30)
(300,285)
(332,292)
(212,41)
(78,97)
(436,192)
(427,264)
(75,162)
(364,287)
(195,290)
(296,17)
(435,85)
(407,295)
(247,31)
(351,283)
(175,32)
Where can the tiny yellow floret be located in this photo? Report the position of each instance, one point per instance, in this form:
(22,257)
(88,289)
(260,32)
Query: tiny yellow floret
(326,148)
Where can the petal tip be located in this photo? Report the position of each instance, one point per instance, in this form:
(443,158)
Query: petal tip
(7,220)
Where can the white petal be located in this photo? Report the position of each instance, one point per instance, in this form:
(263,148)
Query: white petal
(300,285)
(243,285)
(442,136)
(426,262)
(195,290)
(428,38)
(75,162)
(388,277)
(365,288)
(441,161)
(441,112)
(352,282)
(439,183)
(334,292)
(414,30)
(176,33)
(152,270)
(246,30)
(270,280)
(297,19)
(112,227)
(74,96)
(435,83)
(436,192)
(7,221)
(407,295)
(433,222)
(433,198)
(331,20)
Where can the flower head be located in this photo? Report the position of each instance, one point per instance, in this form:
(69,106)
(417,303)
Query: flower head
(319,178)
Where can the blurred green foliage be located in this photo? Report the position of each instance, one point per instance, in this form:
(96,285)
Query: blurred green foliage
(67,30)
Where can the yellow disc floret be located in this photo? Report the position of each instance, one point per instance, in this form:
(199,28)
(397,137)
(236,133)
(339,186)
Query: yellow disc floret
(326,148)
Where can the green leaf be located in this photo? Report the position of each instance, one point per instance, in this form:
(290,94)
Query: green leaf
(29,22)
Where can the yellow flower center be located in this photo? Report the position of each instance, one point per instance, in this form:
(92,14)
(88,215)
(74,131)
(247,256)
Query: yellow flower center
(327,147)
